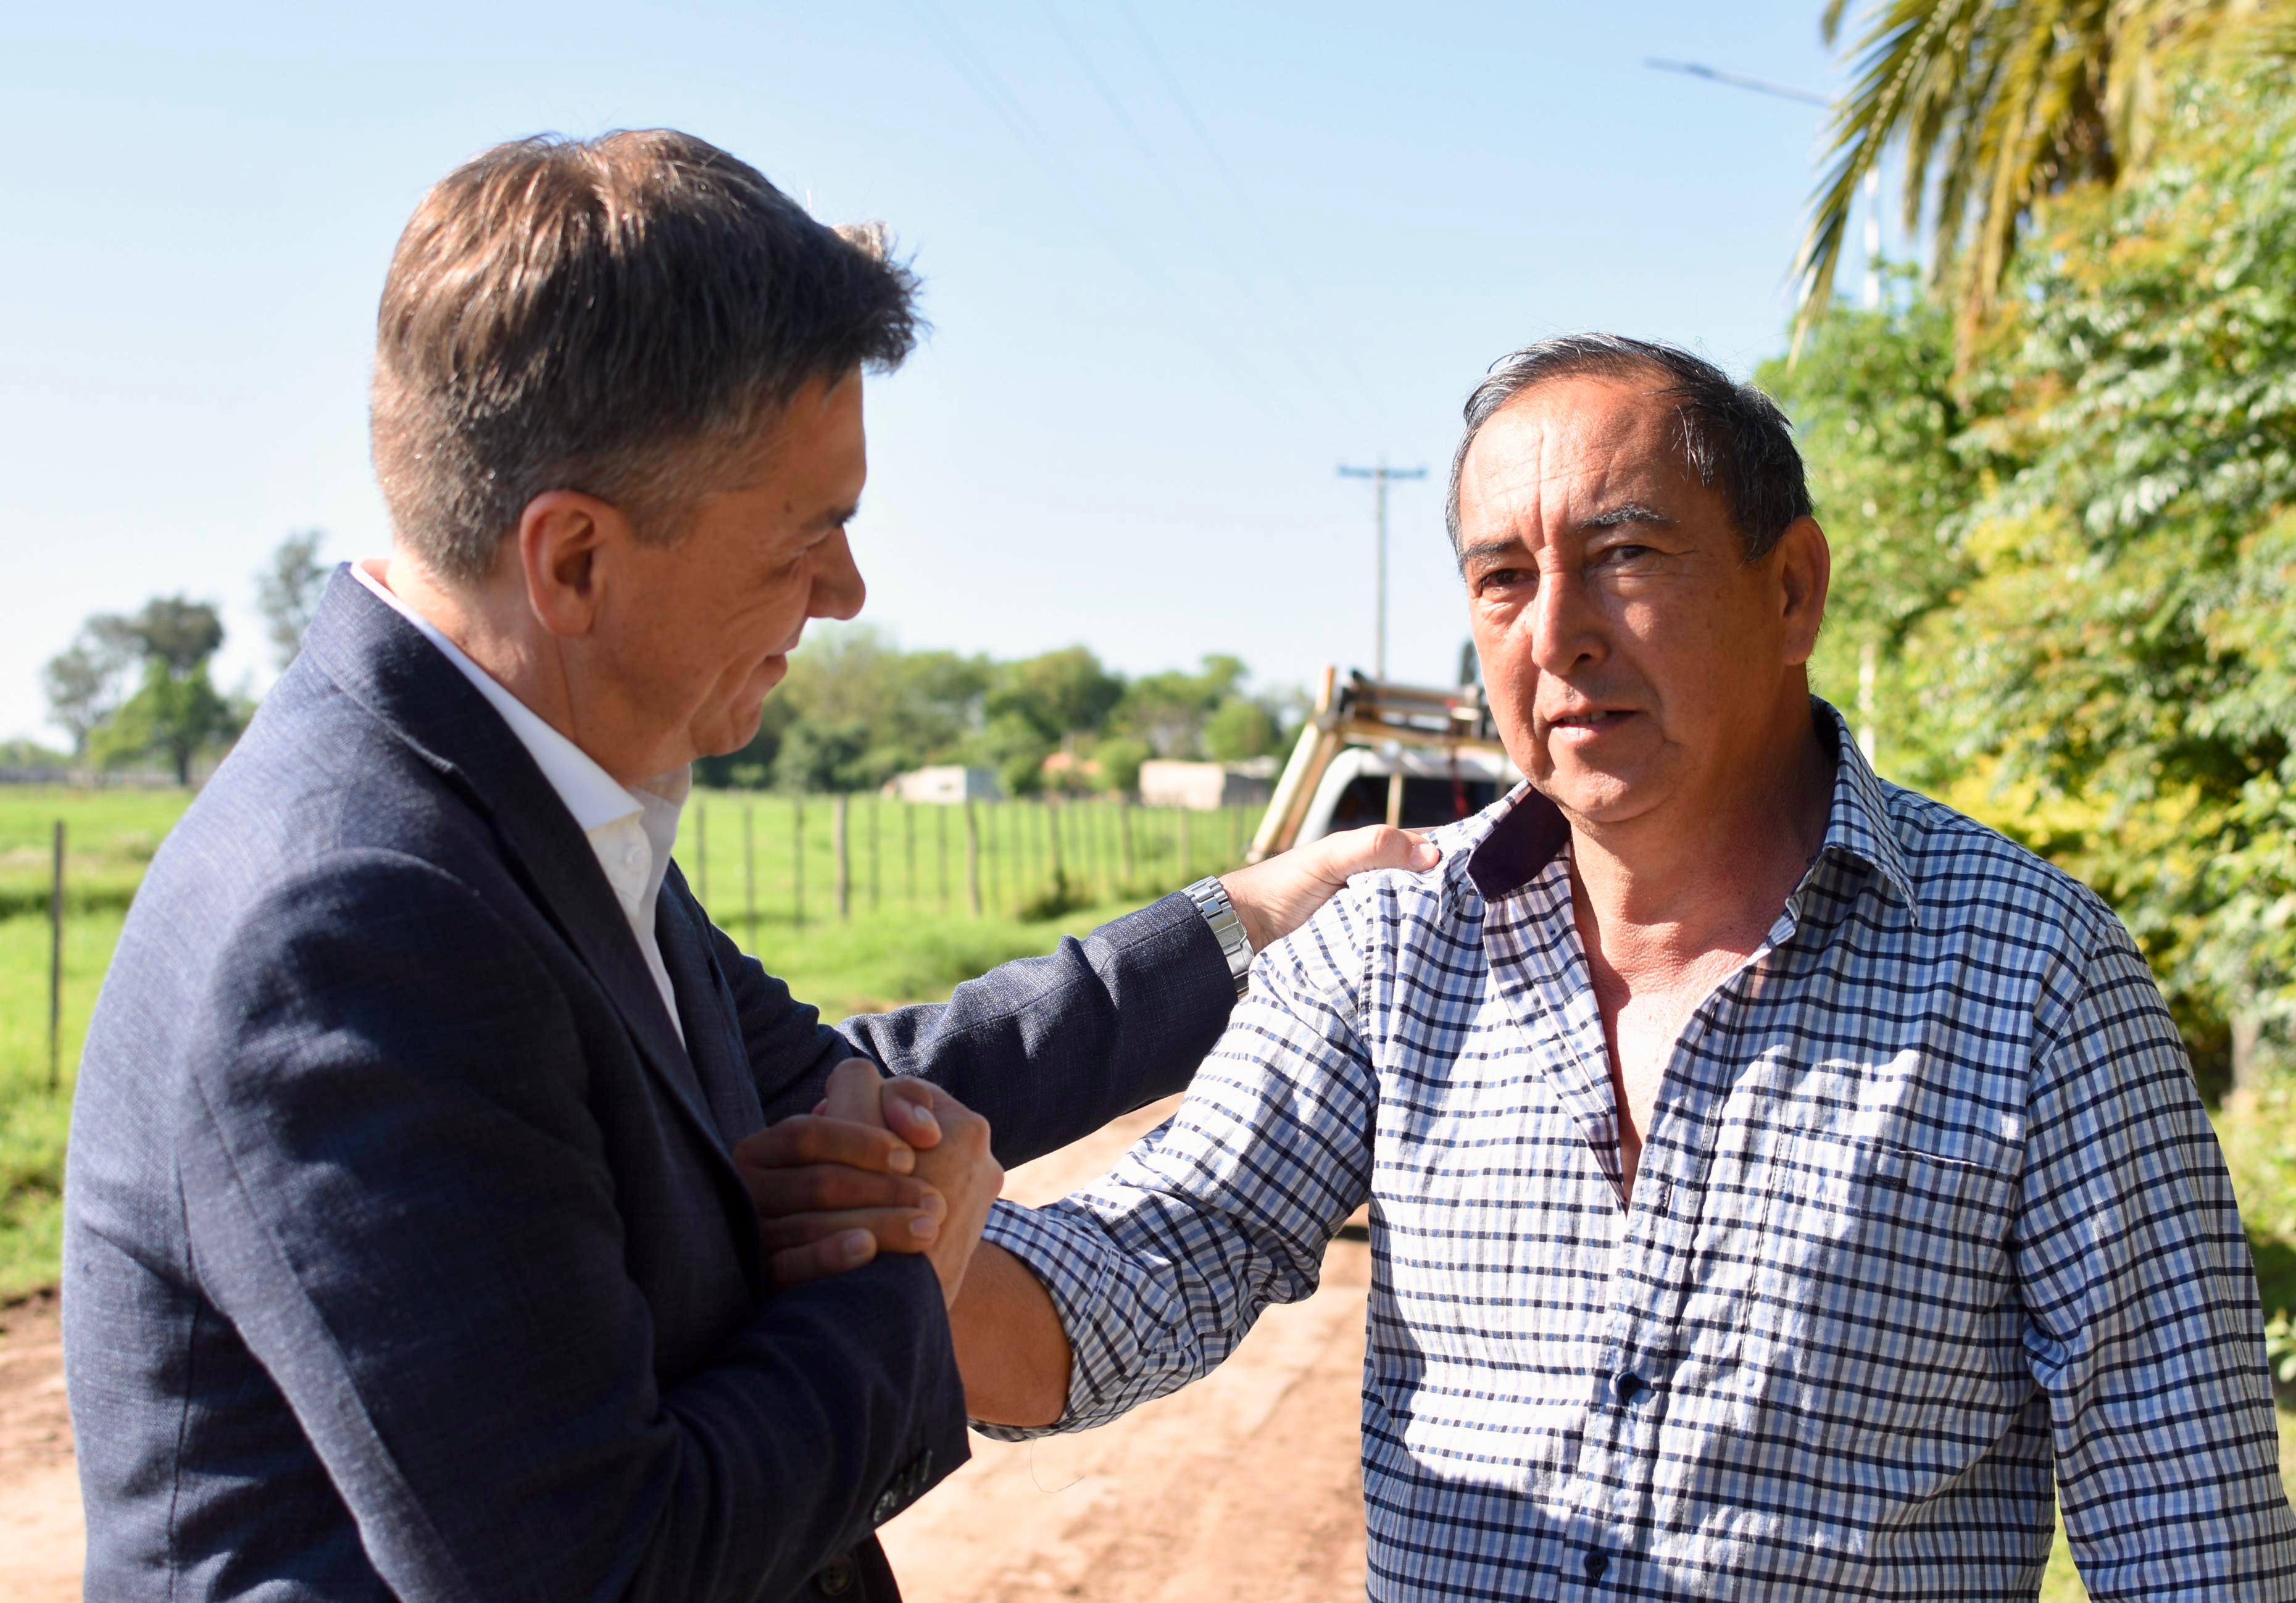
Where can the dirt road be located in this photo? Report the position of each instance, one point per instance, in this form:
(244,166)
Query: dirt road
(1242,1486)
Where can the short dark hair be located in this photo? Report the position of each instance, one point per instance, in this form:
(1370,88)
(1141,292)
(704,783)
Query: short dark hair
(1731,434)
(619,316)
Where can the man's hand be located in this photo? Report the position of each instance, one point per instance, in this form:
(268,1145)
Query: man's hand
(1276,897)
(835,1187)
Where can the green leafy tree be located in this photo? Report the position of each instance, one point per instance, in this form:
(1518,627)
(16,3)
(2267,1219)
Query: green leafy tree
(176,712)
(2118,664)
(1880,428)
(86,681)
(1119,759)
(172,716)
(1240,728)
(1996,104)
(287,591)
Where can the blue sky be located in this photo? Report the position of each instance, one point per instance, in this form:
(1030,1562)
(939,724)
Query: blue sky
(1182,259)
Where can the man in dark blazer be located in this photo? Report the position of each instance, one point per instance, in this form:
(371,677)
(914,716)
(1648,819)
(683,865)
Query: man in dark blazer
(406,1251)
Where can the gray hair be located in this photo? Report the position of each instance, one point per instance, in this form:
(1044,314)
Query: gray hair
(1730,433)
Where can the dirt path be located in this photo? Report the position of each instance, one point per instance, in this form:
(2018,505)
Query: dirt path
(39,1490)
(1244,1485)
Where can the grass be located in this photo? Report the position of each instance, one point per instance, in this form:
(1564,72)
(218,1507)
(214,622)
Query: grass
(908,935)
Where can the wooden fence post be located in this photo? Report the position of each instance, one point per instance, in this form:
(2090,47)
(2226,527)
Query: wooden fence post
(995,876)
(797,856)
(750,870)
(876,806)
(972,859)
(909,846)
(844,864)
(941,851)
(56,964)
(1187,856)
(1124,836)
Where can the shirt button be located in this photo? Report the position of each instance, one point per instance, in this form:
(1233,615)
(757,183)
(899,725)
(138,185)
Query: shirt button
(1629,1387)
(1596,1563)
(837,1577)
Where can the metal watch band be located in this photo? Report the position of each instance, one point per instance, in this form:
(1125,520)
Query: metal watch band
(1210,898)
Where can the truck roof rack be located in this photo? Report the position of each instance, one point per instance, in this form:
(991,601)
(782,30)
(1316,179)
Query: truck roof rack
(1365,711)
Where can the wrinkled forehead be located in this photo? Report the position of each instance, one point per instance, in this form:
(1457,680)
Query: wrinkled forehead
(1567,450)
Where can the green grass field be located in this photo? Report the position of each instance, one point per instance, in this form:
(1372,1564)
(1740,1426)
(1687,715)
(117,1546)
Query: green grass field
(767,868)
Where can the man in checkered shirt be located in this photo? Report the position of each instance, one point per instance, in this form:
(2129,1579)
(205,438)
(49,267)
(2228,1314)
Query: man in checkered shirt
(1774,1177)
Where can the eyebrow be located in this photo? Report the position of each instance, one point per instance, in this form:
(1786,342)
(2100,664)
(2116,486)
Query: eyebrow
(1486,548)
(1624,512)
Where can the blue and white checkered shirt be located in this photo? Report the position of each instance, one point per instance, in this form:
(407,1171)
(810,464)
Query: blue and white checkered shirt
(1927,1209)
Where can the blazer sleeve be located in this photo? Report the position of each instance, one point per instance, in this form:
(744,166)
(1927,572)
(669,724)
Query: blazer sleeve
(1048,1050)
(395,1192)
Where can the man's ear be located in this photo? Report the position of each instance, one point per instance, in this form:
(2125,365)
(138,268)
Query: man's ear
(1805,568)
(566,541)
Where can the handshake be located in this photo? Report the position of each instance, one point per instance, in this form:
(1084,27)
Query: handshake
(885,1166)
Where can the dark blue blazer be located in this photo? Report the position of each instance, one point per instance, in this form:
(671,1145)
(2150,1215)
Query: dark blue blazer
(403,1253)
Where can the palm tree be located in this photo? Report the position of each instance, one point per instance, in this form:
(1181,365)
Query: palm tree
(1996,104)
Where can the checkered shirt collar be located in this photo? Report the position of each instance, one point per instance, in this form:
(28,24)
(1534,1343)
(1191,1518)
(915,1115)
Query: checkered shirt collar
(1503,850)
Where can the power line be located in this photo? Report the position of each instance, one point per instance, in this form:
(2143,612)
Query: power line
(1738,81)
(1380,477)
(1212,237)
(1261,234)
(981,75)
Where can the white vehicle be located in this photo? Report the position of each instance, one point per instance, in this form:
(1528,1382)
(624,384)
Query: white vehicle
(1414,786)
(1376,753)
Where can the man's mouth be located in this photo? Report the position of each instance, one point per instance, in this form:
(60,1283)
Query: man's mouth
(1593,721)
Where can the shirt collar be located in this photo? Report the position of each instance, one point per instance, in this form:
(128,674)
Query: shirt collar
(594,796)
(1527,832)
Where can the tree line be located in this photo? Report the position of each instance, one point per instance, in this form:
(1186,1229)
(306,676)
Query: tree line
(856,710)
(2059,473)
(136,688)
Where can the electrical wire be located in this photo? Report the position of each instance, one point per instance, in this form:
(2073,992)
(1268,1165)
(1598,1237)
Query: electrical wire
(1214,238)
(981,75)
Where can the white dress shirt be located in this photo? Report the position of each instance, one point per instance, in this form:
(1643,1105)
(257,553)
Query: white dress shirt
(631,830)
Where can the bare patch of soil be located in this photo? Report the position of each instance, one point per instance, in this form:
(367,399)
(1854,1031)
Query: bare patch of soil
(1246,1485)
(41,1537)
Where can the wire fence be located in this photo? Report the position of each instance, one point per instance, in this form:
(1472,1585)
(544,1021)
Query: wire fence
(764,860)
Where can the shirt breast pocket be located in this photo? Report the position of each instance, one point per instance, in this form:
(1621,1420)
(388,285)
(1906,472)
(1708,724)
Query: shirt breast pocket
(1883,1304)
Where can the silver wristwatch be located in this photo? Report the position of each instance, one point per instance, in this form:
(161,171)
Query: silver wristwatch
(1210,898)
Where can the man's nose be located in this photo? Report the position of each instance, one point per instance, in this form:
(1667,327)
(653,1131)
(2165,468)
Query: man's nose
(1566,630)
(837,588)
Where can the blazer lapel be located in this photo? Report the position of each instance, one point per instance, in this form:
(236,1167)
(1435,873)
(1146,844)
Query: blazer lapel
(382,661)
(705,1005)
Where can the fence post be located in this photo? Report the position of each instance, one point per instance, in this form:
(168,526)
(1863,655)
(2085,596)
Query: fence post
(1124,836)
(1052,838)
(972,859)
(990,851)
(844,864)
(876,806)
(56,965)
(750,870)
(797,856)
(909,847)
(1187,855)
(941,851)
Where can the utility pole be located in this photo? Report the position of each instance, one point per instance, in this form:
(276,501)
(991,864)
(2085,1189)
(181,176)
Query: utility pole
(1379,477)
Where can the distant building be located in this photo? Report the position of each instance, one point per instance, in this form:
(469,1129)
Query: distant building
(948,782)
(1204,787)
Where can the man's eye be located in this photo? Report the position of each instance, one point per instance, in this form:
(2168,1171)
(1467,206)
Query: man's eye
(1617,556)
(1504,578)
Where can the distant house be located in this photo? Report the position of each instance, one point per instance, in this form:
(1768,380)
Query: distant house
(1205,787)
(949,783)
